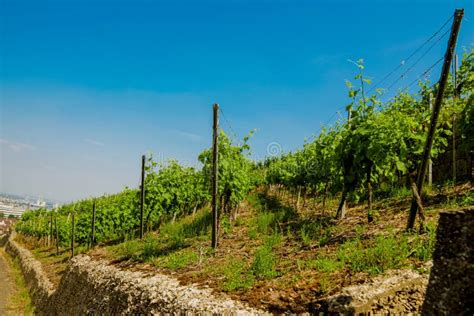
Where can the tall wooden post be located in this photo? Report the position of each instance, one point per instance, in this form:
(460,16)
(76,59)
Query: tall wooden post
(430,162)
(455,97)
(142,196)
(72,234)
(50,242)
(93,225)
(434,116)
(214,178)
(57,234)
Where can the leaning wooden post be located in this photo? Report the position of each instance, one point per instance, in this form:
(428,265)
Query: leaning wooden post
(142,196)
(93,225)
(214,178)
(72,234)
(435,114)
(455,97)
(430,162)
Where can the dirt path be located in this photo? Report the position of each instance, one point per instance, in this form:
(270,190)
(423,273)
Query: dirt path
(6,284)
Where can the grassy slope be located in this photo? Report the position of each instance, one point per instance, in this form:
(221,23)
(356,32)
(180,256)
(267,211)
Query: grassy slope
(275,257)
(19,301)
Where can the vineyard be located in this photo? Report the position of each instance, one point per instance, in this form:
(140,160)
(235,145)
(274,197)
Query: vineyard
(292,227)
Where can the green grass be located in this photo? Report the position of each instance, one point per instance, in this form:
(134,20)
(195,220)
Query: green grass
(325,284)
(392,251)
(314,231)
(20,301)
(177,260)
(424,245)
(237,276)
(465,199)
(385,252)
(324,264)
(264,222)
(172,237)
(128,249)
(265,261)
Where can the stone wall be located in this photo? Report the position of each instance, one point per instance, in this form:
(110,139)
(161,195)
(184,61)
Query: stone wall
(41,289)
(451,284)
(96,287)
(397,292)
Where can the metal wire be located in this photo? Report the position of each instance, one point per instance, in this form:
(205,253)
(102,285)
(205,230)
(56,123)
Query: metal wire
(410,56)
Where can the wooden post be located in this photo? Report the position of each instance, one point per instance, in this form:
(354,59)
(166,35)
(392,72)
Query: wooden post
(370,217)
(72,234)
(50,242)
(420,204)
(57,234)
(142,196)
(93,225)
(430,162)
(214,178)
(455,97)
(298,194)
(434,116)
(455,76)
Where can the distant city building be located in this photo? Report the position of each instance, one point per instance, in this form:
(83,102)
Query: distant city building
(17,205)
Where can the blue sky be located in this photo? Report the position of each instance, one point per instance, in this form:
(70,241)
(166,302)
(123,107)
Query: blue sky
(86,87)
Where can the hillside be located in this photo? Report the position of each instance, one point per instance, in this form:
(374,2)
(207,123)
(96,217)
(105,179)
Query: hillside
(276,257)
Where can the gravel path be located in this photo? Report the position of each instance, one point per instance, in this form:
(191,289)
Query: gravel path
(5,283)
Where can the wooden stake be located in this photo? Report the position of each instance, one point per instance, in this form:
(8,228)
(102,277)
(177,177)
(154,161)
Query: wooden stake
(455,97)
(50,241)
(72,235)
(214,178)
(430,162)
(421,211)
(142,196)
(434,116)
(57,234)
(93,225)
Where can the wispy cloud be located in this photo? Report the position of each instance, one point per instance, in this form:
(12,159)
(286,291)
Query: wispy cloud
(15,146)
(93,142)
(191,136)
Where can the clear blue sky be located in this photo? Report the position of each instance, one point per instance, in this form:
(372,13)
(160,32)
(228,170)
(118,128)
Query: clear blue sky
(88,86)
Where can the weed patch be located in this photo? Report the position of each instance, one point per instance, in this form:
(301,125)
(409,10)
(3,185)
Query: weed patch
(236,275)
(177,260)
(325,264)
